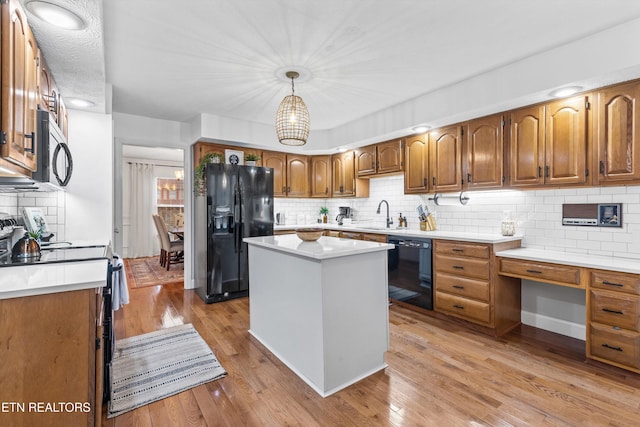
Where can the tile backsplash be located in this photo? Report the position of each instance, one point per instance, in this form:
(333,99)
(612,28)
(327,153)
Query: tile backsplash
(537,213)
(53,204)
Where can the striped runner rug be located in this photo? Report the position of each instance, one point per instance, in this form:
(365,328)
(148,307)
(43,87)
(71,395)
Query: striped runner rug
(152,366)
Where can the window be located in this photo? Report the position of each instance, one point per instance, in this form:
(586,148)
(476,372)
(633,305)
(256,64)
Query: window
(170,200)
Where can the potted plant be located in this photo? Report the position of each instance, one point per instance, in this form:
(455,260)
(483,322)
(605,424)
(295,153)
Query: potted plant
(251,159)
(199,179)
(324,211)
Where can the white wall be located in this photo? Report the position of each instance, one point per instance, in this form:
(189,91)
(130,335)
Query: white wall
(89,195)
(538,214)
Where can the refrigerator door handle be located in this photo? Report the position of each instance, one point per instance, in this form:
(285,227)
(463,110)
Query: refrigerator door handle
(240,222)
(236,224)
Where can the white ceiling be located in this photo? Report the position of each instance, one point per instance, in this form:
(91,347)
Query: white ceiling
(175,60)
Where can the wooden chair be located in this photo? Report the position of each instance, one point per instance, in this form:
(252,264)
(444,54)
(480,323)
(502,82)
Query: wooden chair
(167,246)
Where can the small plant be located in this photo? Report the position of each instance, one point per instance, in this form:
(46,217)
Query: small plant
(251,157)
(324,210)
(198,181)
(35,234)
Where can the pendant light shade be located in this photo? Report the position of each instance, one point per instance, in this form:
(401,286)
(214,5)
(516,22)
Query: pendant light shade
(292,119)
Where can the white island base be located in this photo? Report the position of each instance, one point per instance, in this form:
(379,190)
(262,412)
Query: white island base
(321,307)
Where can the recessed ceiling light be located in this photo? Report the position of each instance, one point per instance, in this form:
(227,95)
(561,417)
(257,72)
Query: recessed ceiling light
(79,102)
(56,15)
(420,128)
(565,91)
(341,149)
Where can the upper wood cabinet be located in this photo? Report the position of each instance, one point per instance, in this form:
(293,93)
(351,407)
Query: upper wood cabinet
(617,157)
(484,151)
(321,176)
(278,162)
(416,172)
(383,158)
(526,146)
(297,176)
(19,87)
(445,158)
(566,141)
(343,171)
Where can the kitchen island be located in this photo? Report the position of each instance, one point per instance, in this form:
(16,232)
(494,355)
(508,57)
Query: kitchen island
(321,307)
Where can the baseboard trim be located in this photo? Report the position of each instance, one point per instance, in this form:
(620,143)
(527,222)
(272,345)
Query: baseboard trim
(559,326)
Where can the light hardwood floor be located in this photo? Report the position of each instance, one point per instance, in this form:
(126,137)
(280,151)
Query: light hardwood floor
(439,374)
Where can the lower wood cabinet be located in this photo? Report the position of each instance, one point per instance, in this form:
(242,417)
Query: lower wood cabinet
(49,353)
(467,285)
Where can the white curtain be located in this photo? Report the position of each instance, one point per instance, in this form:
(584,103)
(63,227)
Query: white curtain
(143,237)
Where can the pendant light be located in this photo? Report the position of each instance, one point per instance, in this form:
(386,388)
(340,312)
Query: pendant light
(292,119)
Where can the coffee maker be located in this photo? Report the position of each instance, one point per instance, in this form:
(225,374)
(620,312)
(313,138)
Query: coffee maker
(343,212)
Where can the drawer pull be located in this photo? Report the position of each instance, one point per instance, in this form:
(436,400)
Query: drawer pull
(611,347)
(458,267)
(606,282)
(458,286)
(608,310)
(457,250)
(534,271)
(458,307)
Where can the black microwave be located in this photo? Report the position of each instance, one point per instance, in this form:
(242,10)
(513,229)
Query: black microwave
(55,164)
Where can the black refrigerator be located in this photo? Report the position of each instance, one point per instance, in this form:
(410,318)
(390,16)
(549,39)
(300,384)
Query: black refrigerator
(238,204)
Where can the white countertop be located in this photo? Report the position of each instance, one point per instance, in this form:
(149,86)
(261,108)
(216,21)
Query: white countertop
(626,265)
(323,248)
(410,232)
(38,279)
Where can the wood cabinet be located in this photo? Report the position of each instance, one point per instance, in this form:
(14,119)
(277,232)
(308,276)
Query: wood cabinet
(613,324)
(484,152)
(617,157)
(48,348)
(380,159)
(416,172)
(290,173)
(278,162)
(566,141)
(526,146)
(321,176)
(19,87)
(562,275)
(467,285)
(445,158)
(344,181)
(550,143)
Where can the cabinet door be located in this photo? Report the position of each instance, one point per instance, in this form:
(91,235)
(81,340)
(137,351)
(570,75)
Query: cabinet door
(278,162)
(297,176)
(366,161)
(390,156)
(45,84)
(566,141)
(484,153)
(526,151)
(17,104)
(320,176)
(617,134)
(445,159)
(416,172)
(348,187)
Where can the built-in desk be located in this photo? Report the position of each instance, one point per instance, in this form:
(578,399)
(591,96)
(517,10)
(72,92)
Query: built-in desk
(612,288)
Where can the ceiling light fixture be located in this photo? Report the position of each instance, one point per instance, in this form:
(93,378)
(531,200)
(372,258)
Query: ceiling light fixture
(292,119)
(56,15)
(565,91)
(79,102)
(420,128)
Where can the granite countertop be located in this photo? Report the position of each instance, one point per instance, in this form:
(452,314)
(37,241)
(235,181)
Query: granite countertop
(625,265)
(323,248)
(39,279)
(410,232)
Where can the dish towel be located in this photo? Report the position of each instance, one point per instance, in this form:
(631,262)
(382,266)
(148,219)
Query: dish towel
(119,290)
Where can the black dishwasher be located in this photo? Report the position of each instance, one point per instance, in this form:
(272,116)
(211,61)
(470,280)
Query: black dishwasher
(410,271)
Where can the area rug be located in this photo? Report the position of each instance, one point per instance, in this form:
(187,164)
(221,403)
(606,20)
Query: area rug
(143,272)
(152,366)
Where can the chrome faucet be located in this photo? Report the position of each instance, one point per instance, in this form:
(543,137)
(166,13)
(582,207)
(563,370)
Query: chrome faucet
(389,220)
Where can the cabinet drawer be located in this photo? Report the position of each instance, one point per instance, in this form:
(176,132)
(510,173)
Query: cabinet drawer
(462,249)
(629,283)
(332,233)
(462,307)
(552,273)
(470,288)
(372,237)
(619,346)
(615,309)
(351,235)
(468,267)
